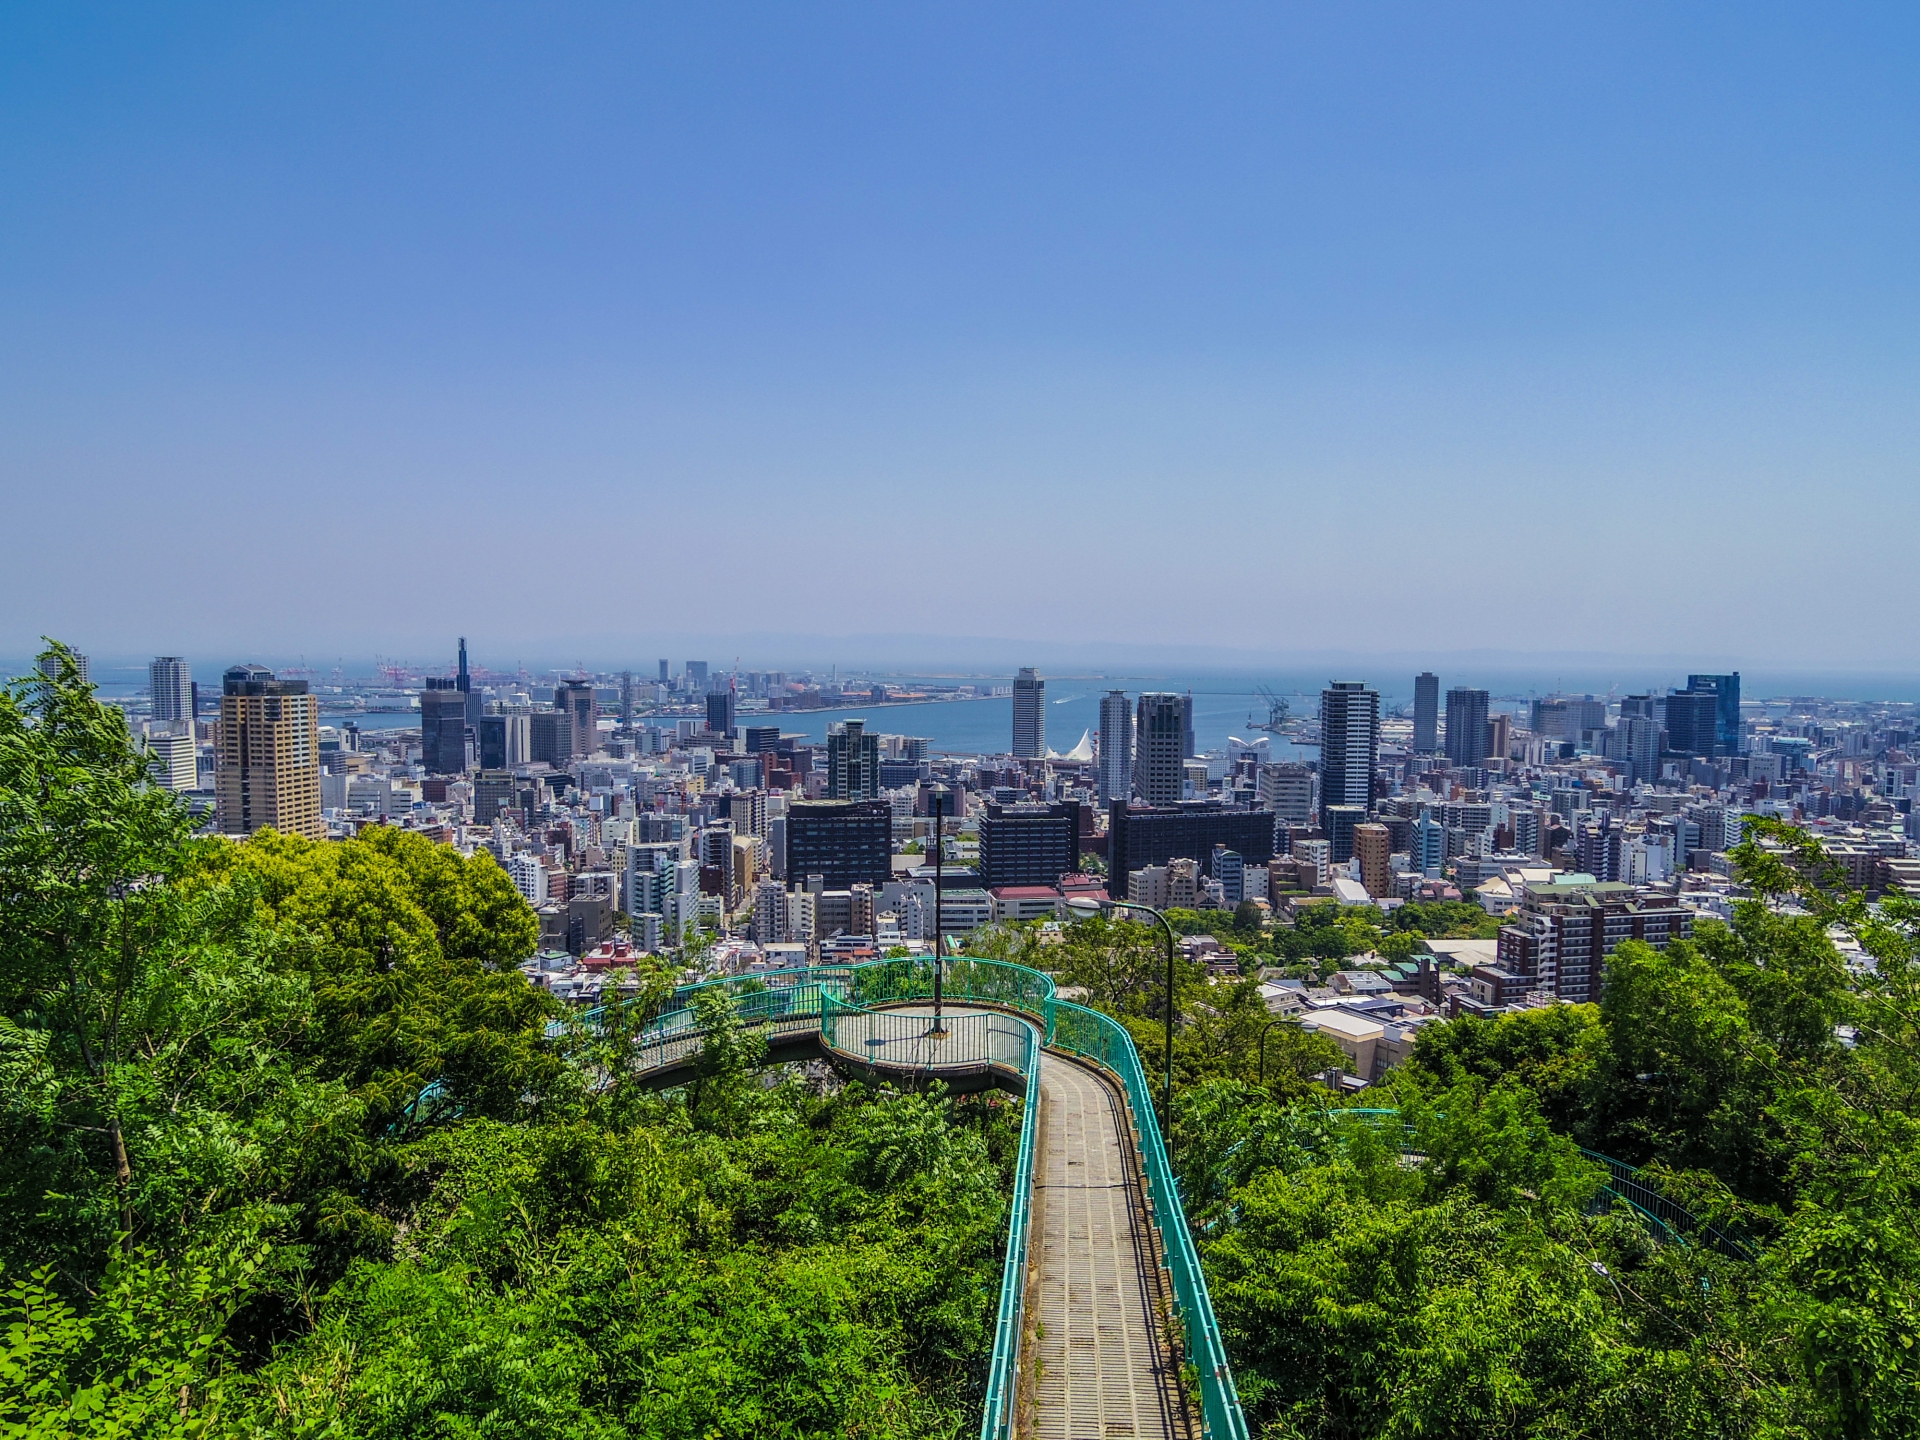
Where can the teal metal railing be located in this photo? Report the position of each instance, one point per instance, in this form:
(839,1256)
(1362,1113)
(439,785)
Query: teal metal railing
(794,1000)
(1104,1040)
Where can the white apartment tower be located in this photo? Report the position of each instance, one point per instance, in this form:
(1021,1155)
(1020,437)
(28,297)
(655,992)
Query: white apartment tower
(1116,747)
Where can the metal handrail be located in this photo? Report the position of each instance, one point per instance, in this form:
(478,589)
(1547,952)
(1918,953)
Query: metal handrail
(795,997)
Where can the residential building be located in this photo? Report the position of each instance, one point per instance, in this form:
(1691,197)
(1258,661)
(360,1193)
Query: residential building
(853,762)
(1029,715)
(1115,774)
(529,876)
(172,755)
(1349,746)
(1563,933)
(267,767)
(170,684)
(1426,713)
(1230,869)
(1160,748)
(1372,845)
(1467,726)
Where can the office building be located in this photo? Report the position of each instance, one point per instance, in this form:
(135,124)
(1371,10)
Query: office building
(1339,821)
(267,768)
(1372,845)
(1693,722)
(696,675)
(1426,713)
(853,762)
(1467,727)
(443,728)
(574,698)
(1560,938)
(1115,773)
(1286,788)
(760,739)
(1726,692)
(1029,715)
(494,792)
(1349,747)
(1029,844)
(504,740)
(1140,836)
(1160,745)
(1637,746)
(172,756)
(720,705)
(170,683)
(550,734)
(845,842)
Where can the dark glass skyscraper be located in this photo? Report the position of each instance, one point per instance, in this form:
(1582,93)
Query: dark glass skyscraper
(443,728)
(1726,692)
(1426,713)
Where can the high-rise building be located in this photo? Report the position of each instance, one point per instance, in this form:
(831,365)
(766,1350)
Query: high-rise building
(1499,735)
(1286,788)
(443,728)
(845,842)
(550,733)
(1340,821)
(81,668)
(575,698)
(720,711)
(1029,844)
(1349,746)
(1426,844)
(1726,692)
(1029,715)
(170,681)
(267,770)
(494,791)
(1637,744)
(1372,843)
(1115,773)
(463,682)
(666,673)
(1563,933)
(1159,748)
(172,756)
(1693,721)
(853,762)
(1426,713)
(696,675)
(1467,727)
(504,741)
(760,739)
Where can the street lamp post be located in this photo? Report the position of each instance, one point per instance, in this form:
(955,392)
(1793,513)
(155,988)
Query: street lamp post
(937,797)
(1283,1020)
(1093,907)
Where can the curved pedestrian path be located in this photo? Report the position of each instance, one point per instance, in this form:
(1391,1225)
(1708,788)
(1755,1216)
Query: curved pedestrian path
(1100,1272)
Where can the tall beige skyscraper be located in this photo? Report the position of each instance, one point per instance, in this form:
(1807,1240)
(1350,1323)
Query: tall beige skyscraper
(267,771)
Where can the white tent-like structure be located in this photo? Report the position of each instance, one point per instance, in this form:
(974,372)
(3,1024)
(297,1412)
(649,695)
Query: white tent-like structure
(1080,754)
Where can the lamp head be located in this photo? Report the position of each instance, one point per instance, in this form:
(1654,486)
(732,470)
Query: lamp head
(1082,908)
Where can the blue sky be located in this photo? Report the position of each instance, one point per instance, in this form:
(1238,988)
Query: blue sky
(1270,328)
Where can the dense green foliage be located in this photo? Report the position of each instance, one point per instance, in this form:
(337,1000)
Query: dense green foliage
(291,1153)
(1486,1288)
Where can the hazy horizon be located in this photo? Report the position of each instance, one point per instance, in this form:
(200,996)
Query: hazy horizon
(1248,329)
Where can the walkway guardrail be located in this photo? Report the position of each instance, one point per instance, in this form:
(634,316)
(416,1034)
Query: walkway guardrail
(822,995)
